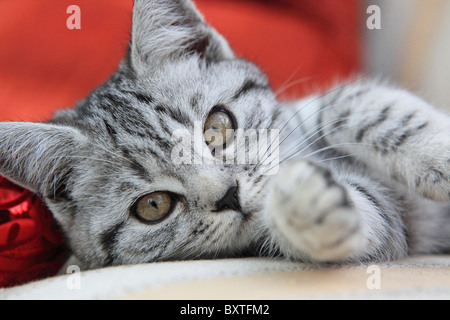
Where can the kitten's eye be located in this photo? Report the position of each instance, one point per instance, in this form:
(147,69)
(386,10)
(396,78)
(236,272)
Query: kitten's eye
(154,207)
(219,127)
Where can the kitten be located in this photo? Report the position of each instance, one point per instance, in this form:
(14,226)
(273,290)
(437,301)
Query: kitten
(363,170)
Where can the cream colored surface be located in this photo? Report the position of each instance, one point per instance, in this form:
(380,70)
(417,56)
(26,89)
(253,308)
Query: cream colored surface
(324,284)
(421,277)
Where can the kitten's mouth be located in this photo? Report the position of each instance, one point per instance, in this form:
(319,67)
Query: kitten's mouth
(244,215)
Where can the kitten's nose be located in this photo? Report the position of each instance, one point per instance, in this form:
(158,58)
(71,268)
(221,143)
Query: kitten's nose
(229,201)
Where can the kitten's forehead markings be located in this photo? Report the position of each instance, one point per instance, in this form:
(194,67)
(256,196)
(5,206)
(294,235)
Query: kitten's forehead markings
(144,98)
(249,85)
(195,99)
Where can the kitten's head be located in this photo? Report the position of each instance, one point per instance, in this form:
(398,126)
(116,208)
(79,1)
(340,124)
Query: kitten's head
(129,173)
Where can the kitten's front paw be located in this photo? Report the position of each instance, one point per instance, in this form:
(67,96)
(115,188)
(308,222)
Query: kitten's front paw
(314,213)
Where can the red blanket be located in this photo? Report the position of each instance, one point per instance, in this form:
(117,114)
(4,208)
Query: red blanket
(300,44)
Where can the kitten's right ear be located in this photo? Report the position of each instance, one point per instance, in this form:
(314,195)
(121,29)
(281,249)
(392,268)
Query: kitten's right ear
(39,156)
(164,29)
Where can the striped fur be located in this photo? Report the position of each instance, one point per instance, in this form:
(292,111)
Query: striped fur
(364,169)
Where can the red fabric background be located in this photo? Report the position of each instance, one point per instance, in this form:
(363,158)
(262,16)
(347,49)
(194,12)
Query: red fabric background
(300,44)
(45,66)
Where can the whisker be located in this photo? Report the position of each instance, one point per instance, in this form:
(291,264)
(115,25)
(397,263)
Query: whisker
(288,85)
(320,160)
(305,137)
(90,158)
(330,147)
(109,151)
(313,131)
(334,130)
(290,77)
(336,89)
(340,157)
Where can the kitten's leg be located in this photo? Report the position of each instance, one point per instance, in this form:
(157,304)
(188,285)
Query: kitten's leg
(428,225)
(397,135)
(318,215)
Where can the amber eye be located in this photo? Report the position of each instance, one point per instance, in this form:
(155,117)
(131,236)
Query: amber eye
(154,207)
(219,127)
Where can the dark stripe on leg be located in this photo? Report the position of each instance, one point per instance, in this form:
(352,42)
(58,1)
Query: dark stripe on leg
(372,200)
(407,134)
(381,118)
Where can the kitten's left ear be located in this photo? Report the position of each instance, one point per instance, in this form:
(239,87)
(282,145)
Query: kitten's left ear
(164,29)
(39,156)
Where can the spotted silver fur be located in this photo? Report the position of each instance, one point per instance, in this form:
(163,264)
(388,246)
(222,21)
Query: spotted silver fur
(364,169)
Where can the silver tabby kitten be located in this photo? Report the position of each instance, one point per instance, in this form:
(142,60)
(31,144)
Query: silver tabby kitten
(364,170)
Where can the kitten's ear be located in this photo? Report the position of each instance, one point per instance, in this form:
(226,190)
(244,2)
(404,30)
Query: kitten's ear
(38,156)
(165,29)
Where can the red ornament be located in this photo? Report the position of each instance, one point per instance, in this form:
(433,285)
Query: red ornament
(31,245)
